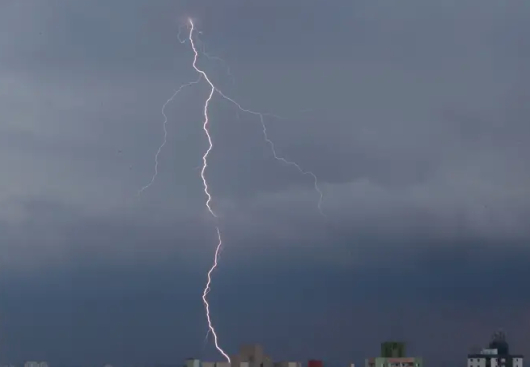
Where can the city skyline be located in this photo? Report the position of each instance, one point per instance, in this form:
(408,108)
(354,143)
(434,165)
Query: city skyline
(393,353)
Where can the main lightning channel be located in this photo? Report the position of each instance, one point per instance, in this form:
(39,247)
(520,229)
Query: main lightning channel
(164,128)
(207,191)
(261,116)
(207,290)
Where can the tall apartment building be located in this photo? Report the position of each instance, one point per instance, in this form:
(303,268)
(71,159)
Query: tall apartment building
(393,354)
(496,355)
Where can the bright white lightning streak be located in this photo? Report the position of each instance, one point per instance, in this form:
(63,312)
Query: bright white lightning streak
(265,134)
(263,126)
(207,192)
(214,89)
(207,290)
(164,127)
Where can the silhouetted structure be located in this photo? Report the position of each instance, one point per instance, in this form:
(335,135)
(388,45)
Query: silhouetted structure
(251,355)
(496,355)
(498,341)
(393,350)
(393,355)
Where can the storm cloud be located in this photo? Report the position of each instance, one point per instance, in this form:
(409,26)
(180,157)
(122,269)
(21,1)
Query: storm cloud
(413,116)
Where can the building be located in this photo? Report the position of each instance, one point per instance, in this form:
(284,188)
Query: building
(315,363)
(192,362)
(393,350)
(288,364)
(393,354)
(496,355)
(251,355)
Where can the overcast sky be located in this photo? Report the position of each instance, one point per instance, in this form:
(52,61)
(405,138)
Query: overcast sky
(414,116)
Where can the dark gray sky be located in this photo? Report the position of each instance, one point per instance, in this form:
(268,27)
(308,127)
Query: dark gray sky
(413,114)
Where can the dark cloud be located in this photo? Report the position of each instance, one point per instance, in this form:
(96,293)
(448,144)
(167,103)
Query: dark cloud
(413,117)
(102,298)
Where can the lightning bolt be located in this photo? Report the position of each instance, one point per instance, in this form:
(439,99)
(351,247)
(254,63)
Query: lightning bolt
(273,147)
(207,192)
(261,116)
(164,128)
(211,329)
(213,90)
